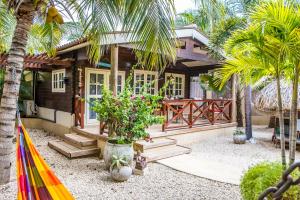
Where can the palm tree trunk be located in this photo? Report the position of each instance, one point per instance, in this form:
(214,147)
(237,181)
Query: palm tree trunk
(239,113)
(11,87)
(114,51)
(248,112)
(294,117)
(281,123)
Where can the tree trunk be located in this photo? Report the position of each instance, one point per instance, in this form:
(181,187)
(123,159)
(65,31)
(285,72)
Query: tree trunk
(294,117)
(11,87)
(114,51)
(248,112)
(239,113)
(281,123)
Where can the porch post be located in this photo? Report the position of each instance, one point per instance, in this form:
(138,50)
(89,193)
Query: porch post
(114,52)
(233,97)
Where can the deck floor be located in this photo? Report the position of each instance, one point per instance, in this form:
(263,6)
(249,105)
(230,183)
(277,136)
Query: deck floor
(156,130)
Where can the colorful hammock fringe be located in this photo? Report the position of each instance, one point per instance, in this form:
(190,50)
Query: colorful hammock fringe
(36,181)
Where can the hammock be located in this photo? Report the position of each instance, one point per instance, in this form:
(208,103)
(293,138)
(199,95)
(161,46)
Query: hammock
(36,181)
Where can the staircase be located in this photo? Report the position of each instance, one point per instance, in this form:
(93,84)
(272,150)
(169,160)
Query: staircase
(81,143)
(75,145)
(160,148)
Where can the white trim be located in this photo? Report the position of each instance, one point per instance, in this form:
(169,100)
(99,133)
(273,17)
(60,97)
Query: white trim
(57,74)
(106,83)
(122,74)
(145,73)
(183,83)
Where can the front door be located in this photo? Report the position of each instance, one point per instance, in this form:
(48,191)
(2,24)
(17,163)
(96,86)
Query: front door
(95,79)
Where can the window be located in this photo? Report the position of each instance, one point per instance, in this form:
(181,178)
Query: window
(58,84)
(142,77)
(120,81)
(176,85)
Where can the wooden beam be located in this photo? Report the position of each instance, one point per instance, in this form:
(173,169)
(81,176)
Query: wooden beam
(114,53)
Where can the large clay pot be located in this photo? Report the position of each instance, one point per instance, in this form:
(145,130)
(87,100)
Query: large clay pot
(120,150)
(122,174)
(239,139)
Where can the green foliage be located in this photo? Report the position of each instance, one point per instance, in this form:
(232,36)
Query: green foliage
(268,46)
(25,87)
(262,176)
(126,115)
(150,23)
(207,81)
(238,132)
(222,32)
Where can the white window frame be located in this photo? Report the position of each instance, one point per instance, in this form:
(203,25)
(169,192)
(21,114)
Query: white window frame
(183,83)
(122,74)
(56,73)
(145,73)
(106,83)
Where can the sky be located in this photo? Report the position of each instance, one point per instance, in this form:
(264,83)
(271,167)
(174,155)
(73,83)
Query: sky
(182,5)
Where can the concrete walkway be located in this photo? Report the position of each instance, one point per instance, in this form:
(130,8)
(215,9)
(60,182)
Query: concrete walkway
(204,168)
(217,158)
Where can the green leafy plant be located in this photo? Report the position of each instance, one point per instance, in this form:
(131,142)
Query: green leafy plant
(238,132)
(127,115)
(208,83)
(262,176)
(118,162)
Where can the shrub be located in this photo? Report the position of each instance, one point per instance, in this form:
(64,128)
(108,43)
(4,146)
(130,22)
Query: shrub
(127,115)
(262,176)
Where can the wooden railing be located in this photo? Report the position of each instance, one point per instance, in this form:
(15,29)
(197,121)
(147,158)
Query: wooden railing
(189,112)
(79,111)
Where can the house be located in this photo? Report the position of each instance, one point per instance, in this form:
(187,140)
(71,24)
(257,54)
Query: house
(58,86)
(61,84)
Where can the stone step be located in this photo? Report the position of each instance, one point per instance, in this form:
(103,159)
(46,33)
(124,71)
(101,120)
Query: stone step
(165,152)
(80,141)
(142,145)
(71,151)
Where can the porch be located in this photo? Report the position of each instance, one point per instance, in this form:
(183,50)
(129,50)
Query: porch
(186,122)
(178,114)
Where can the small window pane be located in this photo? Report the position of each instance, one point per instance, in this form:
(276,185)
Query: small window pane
(92,78)
(92,89)
(99,92)
(92,114)
(100,78)
(119,79)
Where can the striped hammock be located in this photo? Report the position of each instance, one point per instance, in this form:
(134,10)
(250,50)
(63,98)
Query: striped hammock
(36,181)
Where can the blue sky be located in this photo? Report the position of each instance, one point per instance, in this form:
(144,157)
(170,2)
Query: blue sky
(182,5)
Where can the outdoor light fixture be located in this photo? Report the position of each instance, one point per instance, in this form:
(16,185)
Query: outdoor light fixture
(127,64)
(66,80)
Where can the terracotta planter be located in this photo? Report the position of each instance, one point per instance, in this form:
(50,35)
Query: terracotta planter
(120,150)
(239,139)
(122,174)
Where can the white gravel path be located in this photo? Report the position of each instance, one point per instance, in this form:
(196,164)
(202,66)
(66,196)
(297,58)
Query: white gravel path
(216,157)
(86,179)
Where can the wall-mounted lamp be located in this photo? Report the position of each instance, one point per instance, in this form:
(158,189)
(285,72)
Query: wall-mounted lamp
(127,65)
(66,80)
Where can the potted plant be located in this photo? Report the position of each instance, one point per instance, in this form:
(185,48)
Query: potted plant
(239,136)
(120,169)
(126,116)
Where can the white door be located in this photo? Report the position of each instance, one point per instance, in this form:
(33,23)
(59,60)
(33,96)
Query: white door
(95,80)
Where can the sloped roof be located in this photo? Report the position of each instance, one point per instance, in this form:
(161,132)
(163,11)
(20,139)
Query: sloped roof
(123,38)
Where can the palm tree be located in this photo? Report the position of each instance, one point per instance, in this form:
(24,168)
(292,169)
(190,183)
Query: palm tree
(270,47)
(281,19)
(234,15)
(150,24)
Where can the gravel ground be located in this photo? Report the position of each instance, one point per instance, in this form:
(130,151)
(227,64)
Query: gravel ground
(86,179)
(221,148)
